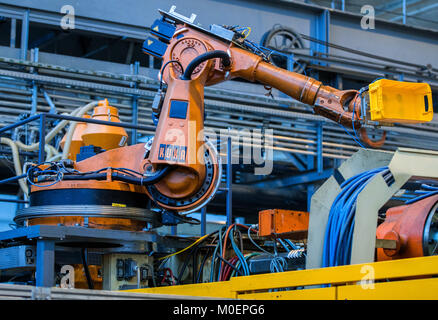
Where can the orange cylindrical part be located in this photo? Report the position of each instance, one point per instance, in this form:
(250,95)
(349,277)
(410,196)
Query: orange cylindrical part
(93,222)
(295,85)
(179,141)
(405,224)
(329,102)
(106,137)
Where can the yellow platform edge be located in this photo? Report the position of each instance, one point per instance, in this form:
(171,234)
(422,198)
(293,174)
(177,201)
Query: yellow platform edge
(406,279)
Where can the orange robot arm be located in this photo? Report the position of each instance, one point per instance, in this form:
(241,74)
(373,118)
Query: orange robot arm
(195,58)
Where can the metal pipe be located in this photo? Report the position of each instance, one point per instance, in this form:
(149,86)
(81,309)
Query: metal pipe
(24,34)
(18,124)
(42,138)
(319,158)
(204,221)
(13,200)
(229,176)
(13,32)
(13,179)
(404,9)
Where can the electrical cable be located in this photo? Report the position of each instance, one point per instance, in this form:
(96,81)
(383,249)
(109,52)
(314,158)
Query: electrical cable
(292,245)
(86,269)
(143,181)
(254,243)
(226,61)
(214,258)
(239,254)
(226,262)
(340,225)
(204,260)
(164,67)
(170,273)
(352,119)
(228,269)
(151,268)
(283,243)
(186,248)
(247,258)
(226,238)
(191,245)
(431,191)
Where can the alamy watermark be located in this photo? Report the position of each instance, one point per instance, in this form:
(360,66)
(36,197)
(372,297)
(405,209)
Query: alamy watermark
(368,19)
(249,147)
(68,20)
(367,281)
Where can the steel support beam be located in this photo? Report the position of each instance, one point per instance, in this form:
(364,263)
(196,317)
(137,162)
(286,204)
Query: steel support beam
(45,263)
(414,12)
(295,159)
(229,178)
(303,178)
(393,6)
(319,157)
(204,221)
(135,69)
(320,29)
(13,32)
(24,34)
(42,138)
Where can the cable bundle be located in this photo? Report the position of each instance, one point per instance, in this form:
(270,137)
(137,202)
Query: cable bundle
(226,268)
(427,192)
(340,225)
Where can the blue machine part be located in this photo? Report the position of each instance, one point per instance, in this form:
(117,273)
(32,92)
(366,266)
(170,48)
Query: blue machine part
(178,109)
(163,30)
(87,152)
(154,47)
(169,219)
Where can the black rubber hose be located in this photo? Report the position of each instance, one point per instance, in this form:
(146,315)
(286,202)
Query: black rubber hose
(86,269)
(121,177)
(226,61)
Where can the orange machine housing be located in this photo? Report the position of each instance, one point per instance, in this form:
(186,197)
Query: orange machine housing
(112,158)
(185,133)
(283,224)
(76,141)
(106,137)
(406,225)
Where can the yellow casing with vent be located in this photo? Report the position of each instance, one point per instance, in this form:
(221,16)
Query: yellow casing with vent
(402,102)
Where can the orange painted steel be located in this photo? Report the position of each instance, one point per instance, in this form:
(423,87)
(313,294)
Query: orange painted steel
(112,158)
(405,224)
(283,224)
(106,137)
(76,141)
(129,157)
(179,139)
(81,279)
(92,223)
(187,134)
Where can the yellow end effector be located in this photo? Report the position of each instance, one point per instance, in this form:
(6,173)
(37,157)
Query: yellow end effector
(391,101)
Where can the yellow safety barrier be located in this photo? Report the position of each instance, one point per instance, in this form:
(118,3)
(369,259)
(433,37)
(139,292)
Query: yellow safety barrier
(398,279)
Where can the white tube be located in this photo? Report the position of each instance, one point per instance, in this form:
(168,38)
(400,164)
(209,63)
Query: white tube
(71,129)
(50,135)
(51,152)
(17,165)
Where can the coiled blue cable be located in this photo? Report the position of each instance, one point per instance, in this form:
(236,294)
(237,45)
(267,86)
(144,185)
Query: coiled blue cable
(340,225)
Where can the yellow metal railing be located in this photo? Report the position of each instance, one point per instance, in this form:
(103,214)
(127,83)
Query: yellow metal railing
(412,278)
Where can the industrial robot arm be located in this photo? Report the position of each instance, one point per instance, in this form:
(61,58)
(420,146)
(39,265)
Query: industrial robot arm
(194,58)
